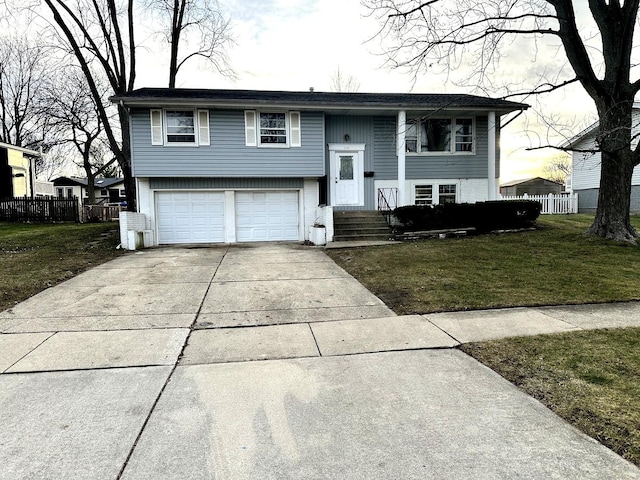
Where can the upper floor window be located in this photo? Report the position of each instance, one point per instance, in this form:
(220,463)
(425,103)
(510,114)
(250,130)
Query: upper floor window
(439,135)
(272,129)
(180,127)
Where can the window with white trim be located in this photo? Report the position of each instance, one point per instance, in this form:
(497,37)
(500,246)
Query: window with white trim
(180,127)
(439,135)
(435,194)
(272,129)
(447,194)
(423,194)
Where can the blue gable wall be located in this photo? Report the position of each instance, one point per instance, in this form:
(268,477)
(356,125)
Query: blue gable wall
(228,156)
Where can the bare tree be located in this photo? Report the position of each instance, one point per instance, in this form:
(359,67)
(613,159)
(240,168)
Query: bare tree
(342,82)
(100,35)
(72,109)
(558,168)
(198,25)
(24,74)
(442,35)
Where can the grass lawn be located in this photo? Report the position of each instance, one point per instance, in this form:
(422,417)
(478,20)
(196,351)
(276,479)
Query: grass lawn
(590,378)
(556,264)
(34,256)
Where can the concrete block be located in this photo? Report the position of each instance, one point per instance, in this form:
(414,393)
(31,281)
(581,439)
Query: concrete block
(255,343)
(87,350)
(378,335)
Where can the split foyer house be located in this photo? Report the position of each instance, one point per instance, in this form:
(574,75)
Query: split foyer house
(246,165)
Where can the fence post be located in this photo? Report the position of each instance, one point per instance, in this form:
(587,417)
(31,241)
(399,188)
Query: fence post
(552,202)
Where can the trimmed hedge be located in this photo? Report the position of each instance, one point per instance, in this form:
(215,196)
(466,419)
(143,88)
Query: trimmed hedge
(483,216)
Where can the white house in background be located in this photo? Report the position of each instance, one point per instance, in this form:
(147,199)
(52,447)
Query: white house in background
(585,168)
(107,190)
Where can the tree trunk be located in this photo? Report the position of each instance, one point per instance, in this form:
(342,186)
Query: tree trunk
(616,168)
(612,216)
(124,159)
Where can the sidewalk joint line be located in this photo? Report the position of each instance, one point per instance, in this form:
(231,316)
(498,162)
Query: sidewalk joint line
(168,379)
(315,340)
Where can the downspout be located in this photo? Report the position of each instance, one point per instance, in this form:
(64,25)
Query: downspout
(400,146)
(491,157)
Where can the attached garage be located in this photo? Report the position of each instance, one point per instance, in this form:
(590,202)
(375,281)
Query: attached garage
(254,216)
(266,216)
(190,217)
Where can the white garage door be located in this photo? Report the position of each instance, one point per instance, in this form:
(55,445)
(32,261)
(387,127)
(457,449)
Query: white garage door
(190,217)
(266,216)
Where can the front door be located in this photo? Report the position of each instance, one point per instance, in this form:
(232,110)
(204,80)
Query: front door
(347,181)
(347,176)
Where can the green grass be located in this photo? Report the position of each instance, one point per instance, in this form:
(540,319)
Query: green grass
(591,379)
(556,264)
(34,256)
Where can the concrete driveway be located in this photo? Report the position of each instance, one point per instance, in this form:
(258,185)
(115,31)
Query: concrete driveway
(265,362)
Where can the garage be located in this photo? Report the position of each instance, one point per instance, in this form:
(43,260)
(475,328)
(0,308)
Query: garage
(190,217)
(267,216)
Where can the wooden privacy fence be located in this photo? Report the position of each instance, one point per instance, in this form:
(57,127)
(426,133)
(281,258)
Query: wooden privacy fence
(562,203)
(40,209)
(101,213)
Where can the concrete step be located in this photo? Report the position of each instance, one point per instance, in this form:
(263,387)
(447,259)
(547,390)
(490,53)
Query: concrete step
(384,230)
(359,236)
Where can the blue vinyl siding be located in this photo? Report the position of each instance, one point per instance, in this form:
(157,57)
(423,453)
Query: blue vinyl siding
(227,156)
(181,183)
(360,130)
(429,166)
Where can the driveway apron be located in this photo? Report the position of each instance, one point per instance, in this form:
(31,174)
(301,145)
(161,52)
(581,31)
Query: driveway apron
(260,361)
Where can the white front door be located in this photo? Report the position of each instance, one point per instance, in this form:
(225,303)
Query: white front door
(347,179)
(347,175)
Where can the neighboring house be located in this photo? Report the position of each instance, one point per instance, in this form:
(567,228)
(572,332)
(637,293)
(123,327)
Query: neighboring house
(107,190)
(17,171)
(531,186)
(245,165)
(585,167)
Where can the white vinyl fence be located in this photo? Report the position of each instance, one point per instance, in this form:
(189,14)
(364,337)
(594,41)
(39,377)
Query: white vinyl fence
(562,203)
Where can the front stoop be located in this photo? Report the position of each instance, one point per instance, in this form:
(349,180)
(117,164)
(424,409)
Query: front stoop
(360,225)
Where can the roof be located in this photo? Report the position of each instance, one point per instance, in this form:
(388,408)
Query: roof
(571,142)
(314,100)
(98,182)
(526,180)
(26,151)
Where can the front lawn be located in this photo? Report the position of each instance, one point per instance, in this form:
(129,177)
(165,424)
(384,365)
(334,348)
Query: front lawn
(556,264)
(34,256)
(590,378)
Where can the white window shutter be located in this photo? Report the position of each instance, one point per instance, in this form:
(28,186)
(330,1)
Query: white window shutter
(294,128)
(250,129)
(203,127)
(156,127)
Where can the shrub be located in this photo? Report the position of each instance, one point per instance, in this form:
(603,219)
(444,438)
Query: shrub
(483,216)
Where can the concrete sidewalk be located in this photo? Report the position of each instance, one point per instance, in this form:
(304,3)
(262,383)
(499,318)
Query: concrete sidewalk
(146,368)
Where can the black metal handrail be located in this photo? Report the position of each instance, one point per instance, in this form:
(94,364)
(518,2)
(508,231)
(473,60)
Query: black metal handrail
(385,204)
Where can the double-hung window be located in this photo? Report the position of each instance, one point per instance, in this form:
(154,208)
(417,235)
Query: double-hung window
(179,127)
(272,129)
(439,135)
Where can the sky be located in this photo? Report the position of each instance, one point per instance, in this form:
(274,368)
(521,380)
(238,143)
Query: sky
(299,44)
